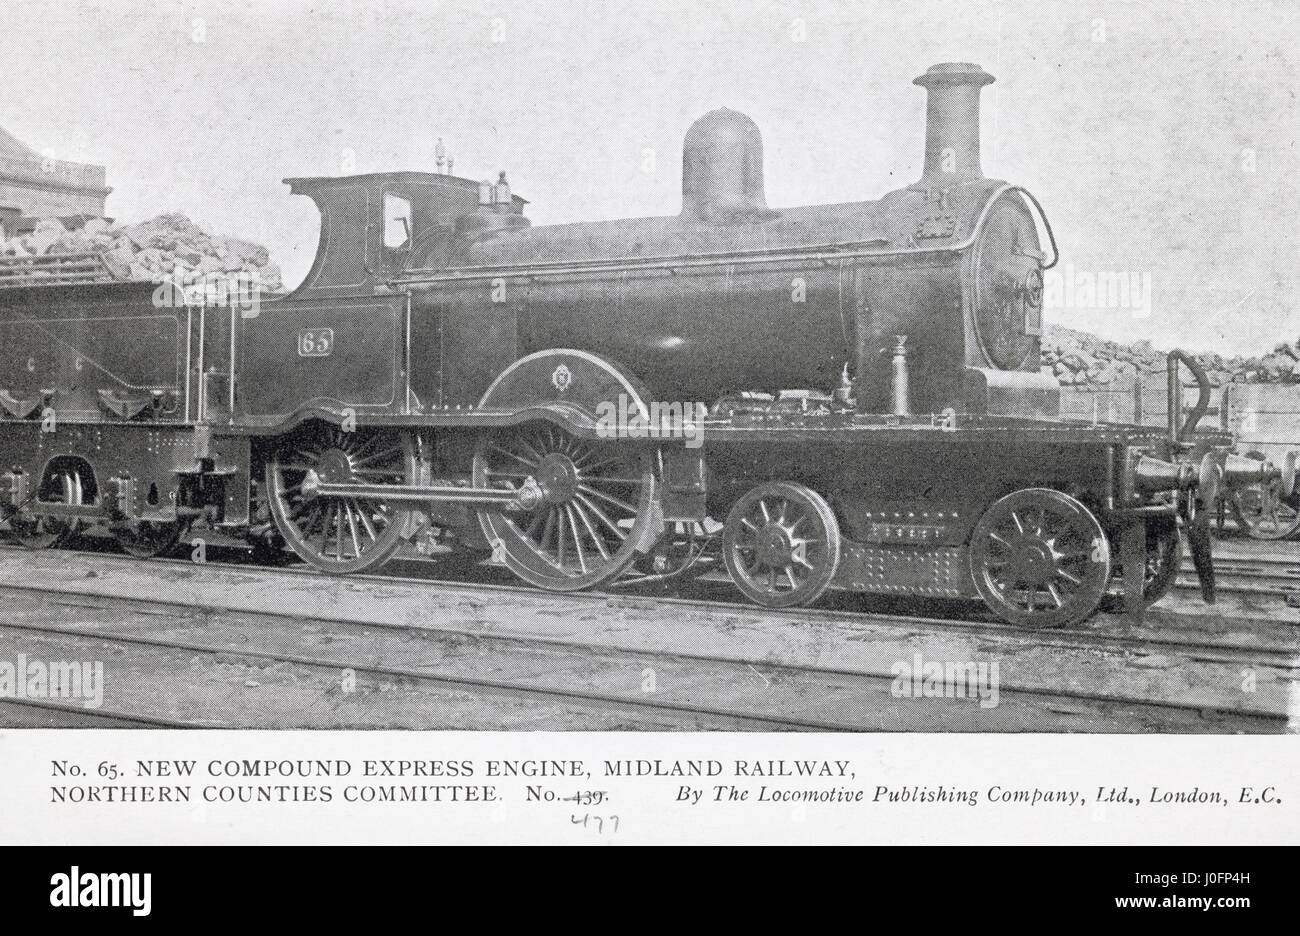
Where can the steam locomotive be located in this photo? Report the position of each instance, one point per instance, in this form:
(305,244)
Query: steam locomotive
(845,396)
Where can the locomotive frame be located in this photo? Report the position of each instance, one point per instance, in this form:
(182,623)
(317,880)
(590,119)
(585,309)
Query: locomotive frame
(444,365)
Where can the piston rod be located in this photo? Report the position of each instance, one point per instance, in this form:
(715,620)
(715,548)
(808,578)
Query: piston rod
(525,497)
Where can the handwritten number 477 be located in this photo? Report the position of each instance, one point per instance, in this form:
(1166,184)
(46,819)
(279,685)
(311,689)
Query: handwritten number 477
(588,821)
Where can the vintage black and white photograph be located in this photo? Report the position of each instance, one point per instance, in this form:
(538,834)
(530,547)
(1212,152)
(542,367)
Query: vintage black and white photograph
(775,366)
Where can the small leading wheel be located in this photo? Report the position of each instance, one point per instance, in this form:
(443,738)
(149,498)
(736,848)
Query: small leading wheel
(1040,558)
(599,502)
(1264,513)
(33,531)
(781,544)
(148,539)
(341,534)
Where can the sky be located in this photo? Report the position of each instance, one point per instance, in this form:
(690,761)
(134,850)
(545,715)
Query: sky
(1159,135)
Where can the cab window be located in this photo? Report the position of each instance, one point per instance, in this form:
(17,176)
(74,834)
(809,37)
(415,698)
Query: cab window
(397,222)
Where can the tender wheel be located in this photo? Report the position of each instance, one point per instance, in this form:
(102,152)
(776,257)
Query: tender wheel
(781,544)
(37,532)
(1263,512)
(335,534)
(147,539)
(599,504)
(1040,558)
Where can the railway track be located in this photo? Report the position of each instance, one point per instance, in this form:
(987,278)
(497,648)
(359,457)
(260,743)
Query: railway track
(1261,574)
(272,652)
(1238,573)
(43,713)
(598,681)
(1274,642)
(764,696)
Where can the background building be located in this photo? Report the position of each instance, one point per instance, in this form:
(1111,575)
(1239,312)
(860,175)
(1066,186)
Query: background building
(36,187)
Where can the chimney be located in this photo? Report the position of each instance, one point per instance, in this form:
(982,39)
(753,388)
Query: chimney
(952,123)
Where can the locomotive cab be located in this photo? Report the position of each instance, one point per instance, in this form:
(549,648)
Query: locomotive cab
(375,226)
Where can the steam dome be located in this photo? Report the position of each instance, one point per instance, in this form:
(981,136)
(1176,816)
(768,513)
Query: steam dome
(722,169)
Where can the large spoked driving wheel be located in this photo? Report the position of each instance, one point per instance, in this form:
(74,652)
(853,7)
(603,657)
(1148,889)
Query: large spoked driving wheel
(341,534)
(598,504)
(42,532)
(1263,513)
(781,544)
(1040,558)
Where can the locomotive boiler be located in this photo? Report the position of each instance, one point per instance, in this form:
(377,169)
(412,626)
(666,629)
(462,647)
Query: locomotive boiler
(840,396)
(731,296)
